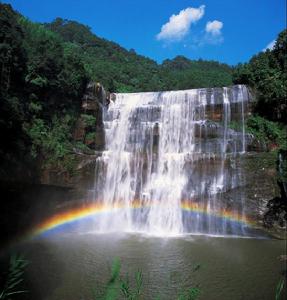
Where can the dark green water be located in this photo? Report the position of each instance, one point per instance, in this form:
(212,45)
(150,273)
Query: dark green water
(70,266)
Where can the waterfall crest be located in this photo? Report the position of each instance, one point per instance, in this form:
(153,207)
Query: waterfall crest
(170,159)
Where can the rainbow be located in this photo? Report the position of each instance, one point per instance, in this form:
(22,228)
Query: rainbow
(225,214)
(92,210)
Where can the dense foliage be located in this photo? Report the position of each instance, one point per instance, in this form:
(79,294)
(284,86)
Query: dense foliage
(44,69)
(12,103)
(271,134)
(183,73)
(125,71)
(42,82)
(266,73)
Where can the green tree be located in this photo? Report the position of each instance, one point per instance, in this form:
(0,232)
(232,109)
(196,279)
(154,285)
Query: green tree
(266,74)
(12,97)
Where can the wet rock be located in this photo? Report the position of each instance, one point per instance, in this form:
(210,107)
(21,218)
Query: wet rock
(94,102)
(276,214)
(79,132)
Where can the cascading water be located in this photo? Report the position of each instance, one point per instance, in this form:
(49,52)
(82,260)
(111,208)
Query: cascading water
(170,160)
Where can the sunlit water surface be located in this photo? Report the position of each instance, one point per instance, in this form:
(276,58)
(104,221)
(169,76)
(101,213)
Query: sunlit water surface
(71,266)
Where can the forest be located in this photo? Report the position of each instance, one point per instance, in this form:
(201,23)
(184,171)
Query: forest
(46,67)
(181,189)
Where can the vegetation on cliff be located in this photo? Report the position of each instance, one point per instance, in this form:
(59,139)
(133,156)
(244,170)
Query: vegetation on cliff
(271,135)
(266,74)
(42,82)
(45,69)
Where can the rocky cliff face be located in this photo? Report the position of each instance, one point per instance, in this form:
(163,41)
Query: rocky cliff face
(219,116)
(163,148)
(89,139)
(94,102)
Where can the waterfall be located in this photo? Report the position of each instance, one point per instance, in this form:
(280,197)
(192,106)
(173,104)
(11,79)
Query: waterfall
(171,163)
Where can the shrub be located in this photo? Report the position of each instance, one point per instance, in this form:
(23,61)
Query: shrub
(267,132)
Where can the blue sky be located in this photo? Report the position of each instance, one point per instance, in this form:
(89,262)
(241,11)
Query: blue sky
(229,31)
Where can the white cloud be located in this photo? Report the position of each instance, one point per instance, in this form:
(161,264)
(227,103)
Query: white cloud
(214,27)
(178,25)
(270,46)
(213,34)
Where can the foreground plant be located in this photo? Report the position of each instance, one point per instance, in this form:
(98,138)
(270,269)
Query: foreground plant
(12,286)
(117,286)
(279,288)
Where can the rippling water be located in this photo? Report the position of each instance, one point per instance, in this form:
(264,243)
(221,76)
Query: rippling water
(70,266)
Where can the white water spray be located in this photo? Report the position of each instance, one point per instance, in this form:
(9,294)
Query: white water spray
(164,148)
